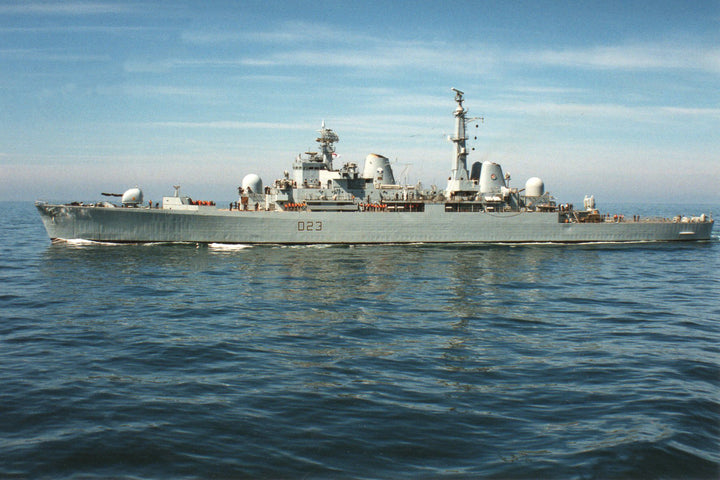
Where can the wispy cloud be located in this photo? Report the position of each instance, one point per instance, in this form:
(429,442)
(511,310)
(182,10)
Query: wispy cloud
(385,56)
(46,55)
(308,44)
(226,125)
(80,29)
(699,112)
(602,110)
(544,89)
(65,8)
(628,57)
(284,33)
(157,91)
(226,37)
(380,56)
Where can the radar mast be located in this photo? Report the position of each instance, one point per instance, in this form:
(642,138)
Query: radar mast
(326,140)
(459,180)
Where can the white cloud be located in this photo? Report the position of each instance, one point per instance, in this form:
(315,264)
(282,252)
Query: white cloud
(601,110)
(81,29)
(368,59)
(628,57)
(49,55)
(284,33)
(700,112)
(158,91)
(365,53)
(317,44)
(224,37)
(65,8)
(226,124)
(544,89)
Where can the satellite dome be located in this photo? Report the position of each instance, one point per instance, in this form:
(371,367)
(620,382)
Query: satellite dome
(252,183)
(534,187)
(133,196)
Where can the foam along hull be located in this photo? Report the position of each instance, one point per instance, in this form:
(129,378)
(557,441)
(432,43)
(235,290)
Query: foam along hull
(434,225)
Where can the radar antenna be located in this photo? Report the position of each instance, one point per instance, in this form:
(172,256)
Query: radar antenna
(326,140)
(459,180)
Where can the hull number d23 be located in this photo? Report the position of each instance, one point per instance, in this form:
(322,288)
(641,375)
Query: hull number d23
(309,226)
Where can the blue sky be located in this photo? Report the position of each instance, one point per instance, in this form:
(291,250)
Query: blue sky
(618,99)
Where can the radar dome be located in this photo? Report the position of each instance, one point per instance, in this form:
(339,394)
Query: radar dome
(534,187)
(133,196)
(251,183)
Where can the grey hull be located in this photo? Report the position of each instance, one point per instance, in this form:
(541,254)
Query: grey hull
(434,225)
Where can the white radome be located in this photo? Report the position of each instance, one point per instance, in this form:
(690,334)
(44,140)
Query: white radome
(253,182)
(534,187)
(133,196)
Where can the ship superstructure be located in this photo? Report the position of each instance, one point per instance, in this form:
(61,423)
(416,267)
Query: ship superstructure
(318,202)
(315,185)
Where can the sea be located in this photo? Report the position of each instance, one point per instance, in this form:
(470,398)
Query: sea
(358,362)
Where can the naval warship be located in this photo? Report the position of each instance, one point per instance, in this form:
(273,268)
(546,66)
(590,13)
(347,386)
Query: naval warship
(319,203)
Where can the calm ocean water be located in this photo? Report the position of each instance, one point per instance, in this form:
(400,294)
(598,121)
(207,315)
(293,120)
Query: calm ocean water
(159,361)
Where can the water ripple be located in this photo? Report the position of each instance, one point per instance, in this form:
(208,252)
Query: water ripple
(130,361)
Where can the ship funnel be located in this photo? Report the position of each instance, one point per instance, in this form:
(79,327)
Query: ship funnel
(378,167)
(475,171)
(491,178)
